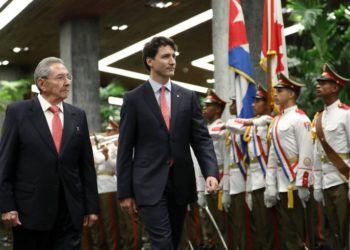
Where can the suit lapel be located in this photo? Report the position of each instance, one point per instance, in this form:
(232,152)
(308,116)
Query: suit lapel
(150,99)
(39,122)
(175,99)
(69,126)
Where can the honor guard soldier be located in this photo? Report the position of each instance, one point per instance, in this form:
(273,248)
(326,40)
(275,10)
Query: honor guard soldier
(255,135)
(289,168)
(331,129)
(234,186)
(212,112)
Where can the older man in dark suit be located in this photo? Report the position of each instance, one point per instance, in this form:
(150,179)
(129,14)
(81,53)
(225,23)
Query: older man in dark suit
(159,122)
(47,178)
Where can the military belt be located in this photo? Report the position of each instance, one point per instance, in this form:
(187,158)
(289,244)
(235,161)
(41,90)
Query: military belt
(291,160)
(325,159)
(108,173)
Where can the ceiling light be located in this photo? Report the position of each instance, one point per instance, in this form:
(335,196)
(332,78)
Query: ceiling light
(115,27)
(211,81)
(115,100)
(26,49)
(123,27)
(5,62)
(2,2)
(12,10)
(177,53)
(16,49)
(160,4)
(168,4)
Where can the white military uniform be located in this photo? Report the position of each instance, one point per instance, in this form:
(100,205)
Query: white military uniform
(234,170)
(336,129)
(290,130)
(106,169)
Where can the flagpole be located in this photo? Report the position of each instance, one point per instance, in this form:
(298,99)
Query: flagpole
(268,55)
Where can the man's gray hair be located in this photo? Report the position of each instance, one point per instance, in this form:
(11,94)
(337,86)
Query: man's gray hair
(42,70)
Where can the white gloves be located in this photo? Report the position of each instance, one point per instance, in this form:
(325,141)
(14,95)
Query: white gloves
(202,201)
(270,196)
(262,120)
(249,200)
(304,195)
(226,200)
(318,196)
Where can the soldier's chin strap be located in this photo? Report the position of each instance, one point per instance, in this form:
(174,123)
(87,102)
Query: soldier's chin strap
(331,154)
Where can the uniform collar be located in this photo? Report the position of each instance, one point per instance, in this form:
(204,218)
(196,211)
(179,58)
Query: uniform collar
(287,110)
(156,85)
(333,105)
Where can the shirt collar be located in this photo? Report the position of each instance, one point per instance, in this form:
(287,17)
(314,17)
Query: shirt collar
(45,105)
(333,105)
(287,110)
(156,85)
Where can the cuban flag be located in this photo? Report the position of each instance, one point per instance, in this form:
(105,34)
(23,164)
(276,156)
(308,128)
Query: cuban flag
(273,40)
(241,78)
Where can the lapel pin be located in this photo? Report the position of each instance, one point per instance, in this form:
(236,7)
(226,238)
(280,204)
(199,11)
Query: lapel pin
(77,128)
(177,95)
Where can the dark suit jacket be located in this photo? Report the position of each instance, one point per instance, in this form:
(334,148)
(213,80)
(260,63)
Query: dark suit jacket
(146,147)
(31,169)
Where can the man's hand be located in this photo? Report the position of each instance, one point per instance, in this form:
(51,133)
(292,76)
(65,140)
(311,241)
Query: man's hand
(11,218)
(90,219)
(212,184)
(128,205)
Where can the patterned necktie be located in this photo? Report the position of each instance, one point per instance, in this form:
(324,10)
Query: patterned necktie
(164,107)
(56,127)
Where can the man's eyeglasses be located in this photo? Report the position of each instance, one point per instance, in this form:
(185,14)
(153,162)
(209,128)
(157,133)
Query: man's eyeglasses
(60,78)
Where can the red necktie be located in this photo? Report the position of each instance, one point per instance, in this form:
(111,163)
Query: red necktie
(56,127)
(164,107)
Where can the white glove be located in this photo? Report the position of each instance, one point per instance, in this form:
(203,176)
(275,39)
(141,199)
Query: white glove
(318,196)
(249,200)
(304,195)
(262,120)
(270,196)
(226,200)
(202,201)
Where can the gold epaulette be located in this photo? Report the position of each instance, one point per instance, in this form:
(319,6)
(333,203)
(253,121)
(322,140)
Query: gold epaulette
(228,138)
(269,130)
(313,126)
(246,136)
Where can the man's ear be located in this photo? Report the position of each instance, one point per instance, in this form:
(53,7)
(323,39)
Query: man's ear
(41,84)
(149,61)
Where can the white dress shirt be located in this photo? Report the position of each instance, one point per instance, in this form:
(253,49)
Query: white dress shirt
(156,89)
(45,105)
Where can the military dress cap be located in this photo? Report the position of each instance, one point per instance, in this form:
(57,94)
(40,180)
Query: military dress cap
(285,82)
(213,98)
(329,74)
(261,93)
(112,124)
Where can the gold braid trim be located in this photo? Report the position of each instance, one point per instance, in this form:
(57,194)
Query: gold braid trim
(246,136)
(313,126)
(227,138)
